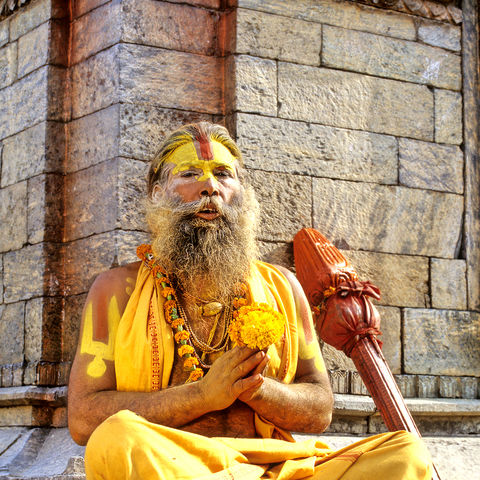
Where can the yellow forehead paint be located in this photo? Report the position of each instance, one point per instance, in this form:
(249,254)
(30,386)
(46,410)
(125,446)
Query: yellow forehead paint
(96,368)
(185,157)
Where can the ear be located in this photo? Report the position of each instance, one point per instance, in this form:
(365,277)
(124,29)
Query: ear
(156,192)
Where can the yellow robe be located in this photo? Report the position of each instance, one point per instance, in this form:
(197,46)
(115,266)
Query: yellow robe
(126,446)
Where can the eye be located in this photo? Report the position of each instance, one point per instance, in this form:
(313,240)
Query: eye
(188,174)
(223,173)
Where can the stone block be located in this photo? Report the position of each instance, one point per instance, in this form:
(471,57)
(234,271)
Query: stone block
(346,424)
(93,139)
(92,204)
(427,386)
(8,64)
(143,128)
(170,79)
(448,117)
(127,243)
(95,83)
(280,145)
(6,376)
(407,385)
(4,32)
(357,387)
(132,191)
(391,58)
(35,150)
(33,49)
(468,387)
(277,37)
(12,332)
(356,101)
(255,87)
(407,221)
(340,381)
(28,99)
(30,376)
(25,415)
(277,253)
(31,17)
(440,35)
(96,31)
(174,27)
(80,7)
(59,98)
(441,342)
(430,166)
(340,14)
(279,195)
(391,336)
(448,283)
(201,3)
(43,329)
(402,279)
(13,216)
(1,279)
(336,360)
(449,387)
(33,271)
(45,208)
(71,325)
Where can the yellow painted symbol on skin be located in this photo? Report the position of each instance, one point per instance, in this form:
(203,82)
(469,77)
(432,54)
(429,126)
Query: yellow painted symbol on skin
(96,368)
(185,157)
(129,288)
(310,350)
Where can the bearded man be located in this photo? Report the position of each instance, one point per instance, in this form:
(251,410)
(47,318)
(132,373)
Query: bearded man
(157,387)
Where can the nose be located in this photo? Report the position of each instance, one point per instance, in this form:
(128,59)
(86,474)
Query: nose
(210,188)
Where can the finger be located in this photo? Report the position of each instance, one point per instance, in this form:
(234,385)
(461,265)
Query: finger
(261,366)
(250,363)
(249,383)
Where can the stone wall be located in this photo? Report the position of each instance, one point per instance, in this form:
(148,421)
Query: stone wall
(350,119)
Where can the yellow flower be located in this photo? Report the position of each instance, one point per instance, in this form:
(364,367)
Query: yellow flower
(142,250)
(195,375)
(182,335)
(168,291)
(184,349)
(190,362)
(177,322)
(257,326)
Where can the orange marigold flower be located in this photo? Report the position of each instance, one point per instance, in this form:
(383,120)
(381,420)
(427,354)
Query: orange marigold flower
(239,302)
(185,349)
(170,304)
(177,322)
(168,291)
(182,335)
(195,375)
(142,250)
(190,362)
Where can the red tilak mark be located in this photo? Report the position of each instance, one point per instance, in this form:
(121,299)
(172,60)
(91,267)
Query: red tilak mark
(204,149)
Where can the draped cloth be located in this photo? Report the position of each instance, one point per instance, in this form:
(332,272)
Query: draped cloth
(126,446)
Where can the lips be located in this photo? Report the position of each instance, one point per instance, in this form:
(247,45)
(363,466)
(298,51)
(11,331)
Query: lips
(208,213)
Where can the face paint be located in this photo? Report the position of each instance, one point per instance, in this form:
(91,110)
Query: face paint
(96,368)
(190,156)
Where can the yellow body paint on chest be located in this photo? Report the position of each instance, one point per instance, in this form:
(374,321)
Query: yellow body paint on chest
(185,157)
(102,351)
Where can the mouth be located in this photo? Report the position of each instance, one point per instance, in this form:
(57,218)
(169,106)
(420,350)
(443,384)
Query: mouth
(208,213)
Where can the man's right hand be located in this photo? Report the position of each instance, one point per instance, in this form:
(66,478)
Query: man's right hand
(232,374)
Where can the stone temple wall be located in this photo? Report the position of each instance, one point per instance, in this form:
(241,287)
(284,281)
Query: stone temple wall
(355,120)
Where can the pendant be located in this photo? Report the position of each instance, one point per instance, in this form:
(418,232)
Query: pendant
(210,309)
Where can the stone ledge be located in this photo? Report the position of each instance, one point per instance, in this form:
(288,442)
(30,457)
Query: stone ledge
(31,395)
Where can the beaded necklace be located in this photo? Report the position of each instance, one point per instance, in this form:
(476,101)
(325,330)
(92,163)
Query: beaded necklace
(177,319)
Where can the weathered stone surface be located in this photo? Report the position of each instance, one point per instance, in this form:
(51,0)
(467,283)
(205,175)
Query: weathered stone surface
(339,380)
(440,35)
(441,342)
(279,145)
(255,85)
(449,387)
(95,83)
(449,283)
(13,216)
(201,3)
(127,243)
(1,279)
(387,57)
(277,253)
(448,117)
(31,17)
(80,7)
(391,336)
(351,425)
(30,376)
(11,332)
(174,27)
(337,361)
(8,64)
(33,151)
(59,98)
(85,213)
(357,387)
(278,37)
(71,325)
(352,100)
(25,415)
(33,329)
(430,166)
(347,15)
(280,195)
(407,221)
(33,49)
(31,272)
(468,387)
(170,79)
(427,386)
(143,128)
(4,32)
(93,139)
(402,279)
(131,193)
(45,208)
(407,385)
(24,103)
(98,30)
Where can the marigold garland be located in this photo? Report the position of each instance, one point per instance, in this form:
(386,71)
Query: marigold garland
(257,326)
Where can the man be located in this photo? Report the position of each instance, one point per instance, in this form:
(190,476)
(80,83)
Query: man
(158,387)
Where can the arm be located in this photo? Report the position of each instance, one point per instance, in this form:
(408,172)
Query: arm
(92,394)
(305,405)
